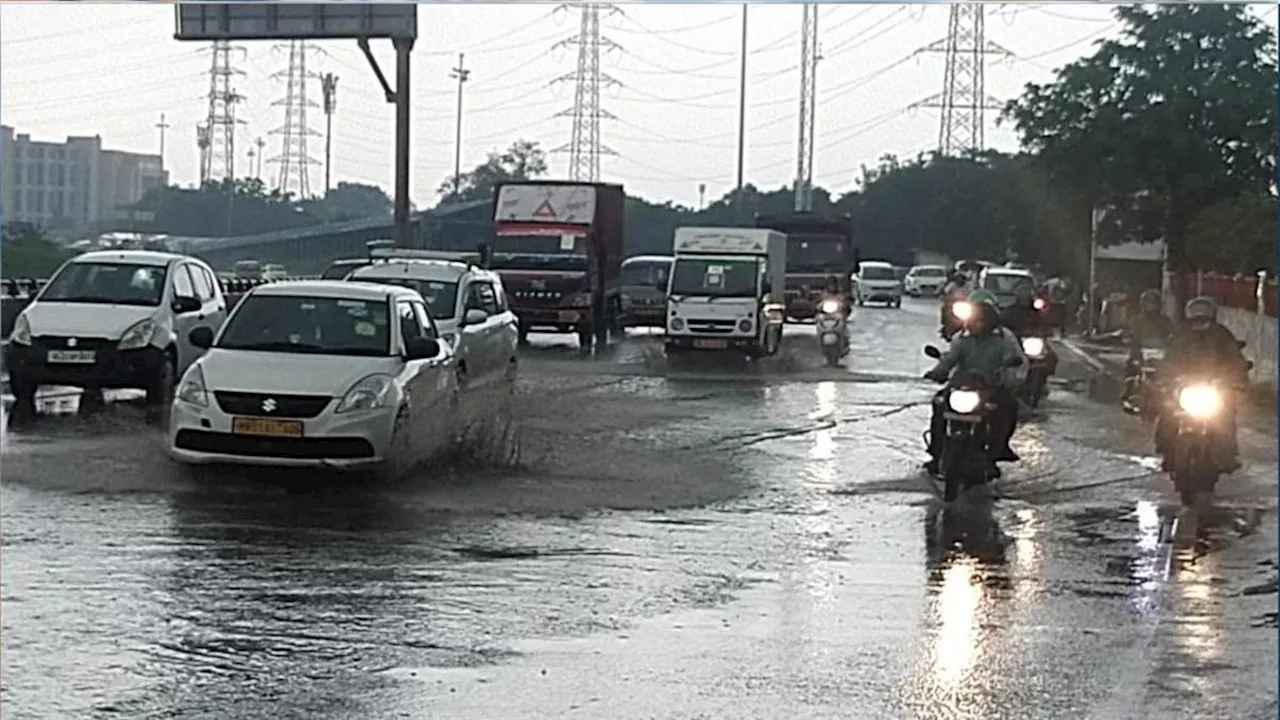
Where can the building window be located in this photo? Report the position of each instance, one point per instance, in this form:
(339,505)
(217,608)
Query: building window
(32,195)
(17,172)
(39,201)
(39,174)
(56,203)
(57,173)
(56,153)
(31,173)
(17,203)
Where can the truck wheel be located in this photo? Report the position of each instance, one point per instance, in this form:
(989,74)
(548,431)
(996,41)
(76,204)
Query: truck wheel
(522,336)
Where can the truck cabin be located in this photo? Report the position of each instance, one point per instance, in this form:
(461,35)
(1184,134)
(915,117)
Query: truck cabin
(524,247)
(719,276)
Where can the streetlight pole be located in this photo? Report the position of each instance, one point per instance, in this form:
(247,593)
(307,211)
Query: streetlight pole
(742,115)
(461,74)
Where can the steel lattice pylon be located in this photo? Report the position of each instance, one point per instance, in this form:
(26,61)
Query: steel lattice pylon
(216,137)
(808,111)
(294,158)
(584,145)
(964,100)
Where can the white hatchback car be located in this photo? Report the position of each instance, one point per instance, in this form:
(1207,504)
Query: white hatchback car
(318,373)
(924,280)
(877,282)
(467,302)
(114,319)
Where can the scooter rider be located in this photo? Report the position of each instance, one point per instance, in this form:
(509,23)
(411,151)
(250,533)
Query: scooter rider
(1203,346)
(986,350)
(831,291)
(1150,329)
(955,290)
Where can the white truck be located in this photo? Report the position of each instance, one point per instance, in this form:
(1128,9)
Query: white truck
(725,290)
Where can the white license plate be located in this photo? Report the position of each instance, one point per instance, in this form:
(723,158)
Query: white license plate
(73,357)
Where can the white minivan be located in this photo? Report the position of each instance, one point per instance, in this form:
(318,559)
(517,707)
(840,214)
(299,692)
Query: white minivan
(114,319)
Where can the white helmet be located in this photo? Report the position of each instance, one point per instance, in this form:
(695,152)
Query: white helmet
(1201,311)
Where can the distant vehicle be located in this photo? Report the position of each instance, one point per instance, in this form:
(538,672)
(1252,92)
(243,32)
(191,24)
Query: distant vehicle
(818,248)
(467,302)
(340,269)
(1004,283)
(318,373)
(274,272)
(644,290)
(876,282)
(924,280)
(248,270)
(114,319)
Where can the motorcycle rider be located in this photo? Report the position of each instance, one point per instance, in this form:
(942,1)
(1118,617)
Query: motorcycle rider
(986,350)
(1150,329)
(831,291)
(1026,320)
(955,289)
(1203,347)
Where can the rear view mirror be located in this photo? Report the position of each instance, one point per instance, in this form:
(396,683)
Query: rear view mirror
(474,316)
(201,337)
(421,348)
(183,304)
(933,352)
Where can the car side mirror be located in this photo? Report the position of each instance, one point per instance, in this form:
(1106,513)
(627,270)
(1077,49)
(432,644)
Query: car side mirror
(933,352)
(474,316)
(422,348)
(201,337)
(183,304)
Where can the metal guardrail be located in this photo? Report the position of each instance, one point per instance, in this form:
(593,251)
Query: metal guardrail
(21,288)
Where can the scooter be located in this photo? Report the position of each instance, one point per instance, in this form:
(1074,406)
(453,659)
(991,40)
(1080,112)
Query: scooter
(1036,385)
(833,330)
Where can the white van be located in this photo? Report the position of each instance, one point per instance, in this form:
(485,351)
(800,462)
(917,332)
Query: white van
(877,282)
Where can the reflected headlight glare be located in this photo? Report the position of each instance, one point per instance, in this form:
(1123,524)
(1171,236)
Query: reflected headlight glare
(1200,401)
(1033,346)
(962,310)
(830,307)
(964,401)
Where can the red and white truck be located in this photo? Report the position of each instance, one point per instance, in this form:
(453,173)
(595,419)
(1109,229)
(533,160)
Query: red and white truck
(558,247)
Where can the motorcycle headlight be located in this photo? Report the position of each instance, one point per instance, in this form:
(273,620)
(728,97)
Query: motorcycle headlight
(1201,401)
(1033,346)
(962,310)
(192,388)
(369,394)
(830,307)
(139,335)
(21,334)
(1039,304)
(964,401)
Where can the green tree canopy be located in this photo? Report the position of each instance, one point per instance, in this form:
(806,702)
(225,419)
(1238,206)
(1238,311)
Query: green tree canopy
(524,160)
(25,251)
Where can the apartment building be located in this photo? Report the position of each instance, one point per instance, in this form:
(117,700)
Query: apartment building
(71,184)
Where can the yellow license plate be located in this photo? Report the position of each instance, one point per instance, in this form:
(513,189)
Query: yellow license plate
(266,428)
(568,316)
(711,344)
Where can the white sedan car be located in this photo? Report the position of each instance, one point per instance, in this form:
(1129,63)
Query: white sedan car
(320,374)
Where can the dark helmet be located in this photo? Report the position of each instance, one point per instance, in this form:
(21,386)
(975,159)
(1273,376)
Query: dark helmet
(1201,312)
(1150,300)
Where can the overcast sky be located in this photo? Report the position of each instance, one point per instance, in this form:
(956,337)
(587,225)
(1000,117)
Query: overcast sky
(112,70)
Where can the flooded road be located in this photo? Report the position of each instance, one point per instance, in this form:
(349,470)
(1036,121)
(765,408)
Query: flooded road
(736,543)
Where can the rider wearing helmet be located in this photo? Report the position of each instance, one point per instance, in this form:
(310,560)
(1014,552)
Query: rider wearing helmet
(986,350)
(954,290)
(1023,317)
(1151,328)
(831,290)
(1205,347)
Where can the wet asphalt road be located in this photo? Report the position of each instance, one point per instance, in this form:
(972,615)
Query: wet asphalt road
(716,543)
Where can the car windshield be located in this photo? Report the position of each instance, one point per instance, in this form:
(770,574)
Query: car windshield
(441,296)
(929,272)
(714,277)
(875,272)
(309,325)
(1006,282)
(645,273)
(107,283)
(815,253)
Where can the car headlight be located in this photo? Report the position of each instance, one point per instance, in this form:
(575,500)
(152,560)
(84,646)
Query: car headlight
(450,339)
(1201,401)
(962,310)
(1033,346)
(677,324)
(964,401)
(745,325)
(21,334)
(830,307)
(139,335)
(368,394)
(192,389)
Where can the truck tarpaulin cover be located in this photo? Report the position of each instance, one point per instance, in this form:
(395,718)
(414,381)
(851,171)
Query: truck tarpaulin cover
(563,204)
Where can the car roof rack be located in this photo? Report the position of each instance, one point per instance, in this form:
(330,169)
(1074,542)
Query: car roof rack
(471,260)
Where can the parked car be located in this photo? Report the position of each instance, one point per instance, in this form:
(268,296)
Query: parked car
(924,280)
(876,282)
(114,319)
(467,302)
(318,373)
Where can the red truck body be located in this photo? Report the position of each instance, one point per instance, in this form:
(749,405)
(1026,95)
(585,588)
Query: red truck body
(558,248)
(817,248)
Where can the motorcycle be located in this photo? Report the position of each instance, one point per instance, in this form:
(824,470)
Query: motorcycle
(833,331)
(965,461)
(1196,462)
(1036,385)
(1140,382)
(954,316)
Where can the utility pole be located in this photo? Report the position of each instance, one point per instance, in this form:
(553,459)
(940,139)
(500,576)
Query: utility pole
(258,170)
(808,100)
(461,74)
(329,89)
(742,110)
(162,126)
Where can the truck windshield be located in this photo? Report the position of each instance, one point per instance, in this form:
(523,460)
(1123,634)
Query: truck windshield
(540,252)
(715,277)
(815,253)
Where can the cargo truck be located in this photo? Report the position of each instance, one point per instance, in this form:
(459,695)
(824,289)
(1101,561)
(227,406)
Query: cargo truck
(725,291)
(558,247)
(818,247)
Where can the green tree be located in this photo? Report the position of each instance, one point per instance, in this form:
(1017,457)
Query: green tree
(1237,235)
(25,251)
(1176,115)
(524,160)
(223,208)
(351,201)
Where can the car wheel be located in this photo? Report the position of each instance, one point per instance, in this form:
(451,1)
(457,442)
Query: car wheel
(160,392)
(24,398)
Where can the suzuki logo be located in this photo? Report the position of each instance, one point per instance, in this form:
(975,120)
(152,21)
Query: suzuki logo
(71,342)
(269,405)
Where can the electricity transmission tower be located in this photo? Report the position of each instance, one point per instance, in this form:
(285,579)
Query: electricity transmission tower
(584,145)
(216,136)
(294,158)
(964,99)
(809,57)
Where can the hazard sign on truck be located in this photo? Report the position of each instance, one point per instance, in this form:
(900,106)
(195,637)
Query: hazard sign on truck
(558,247)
